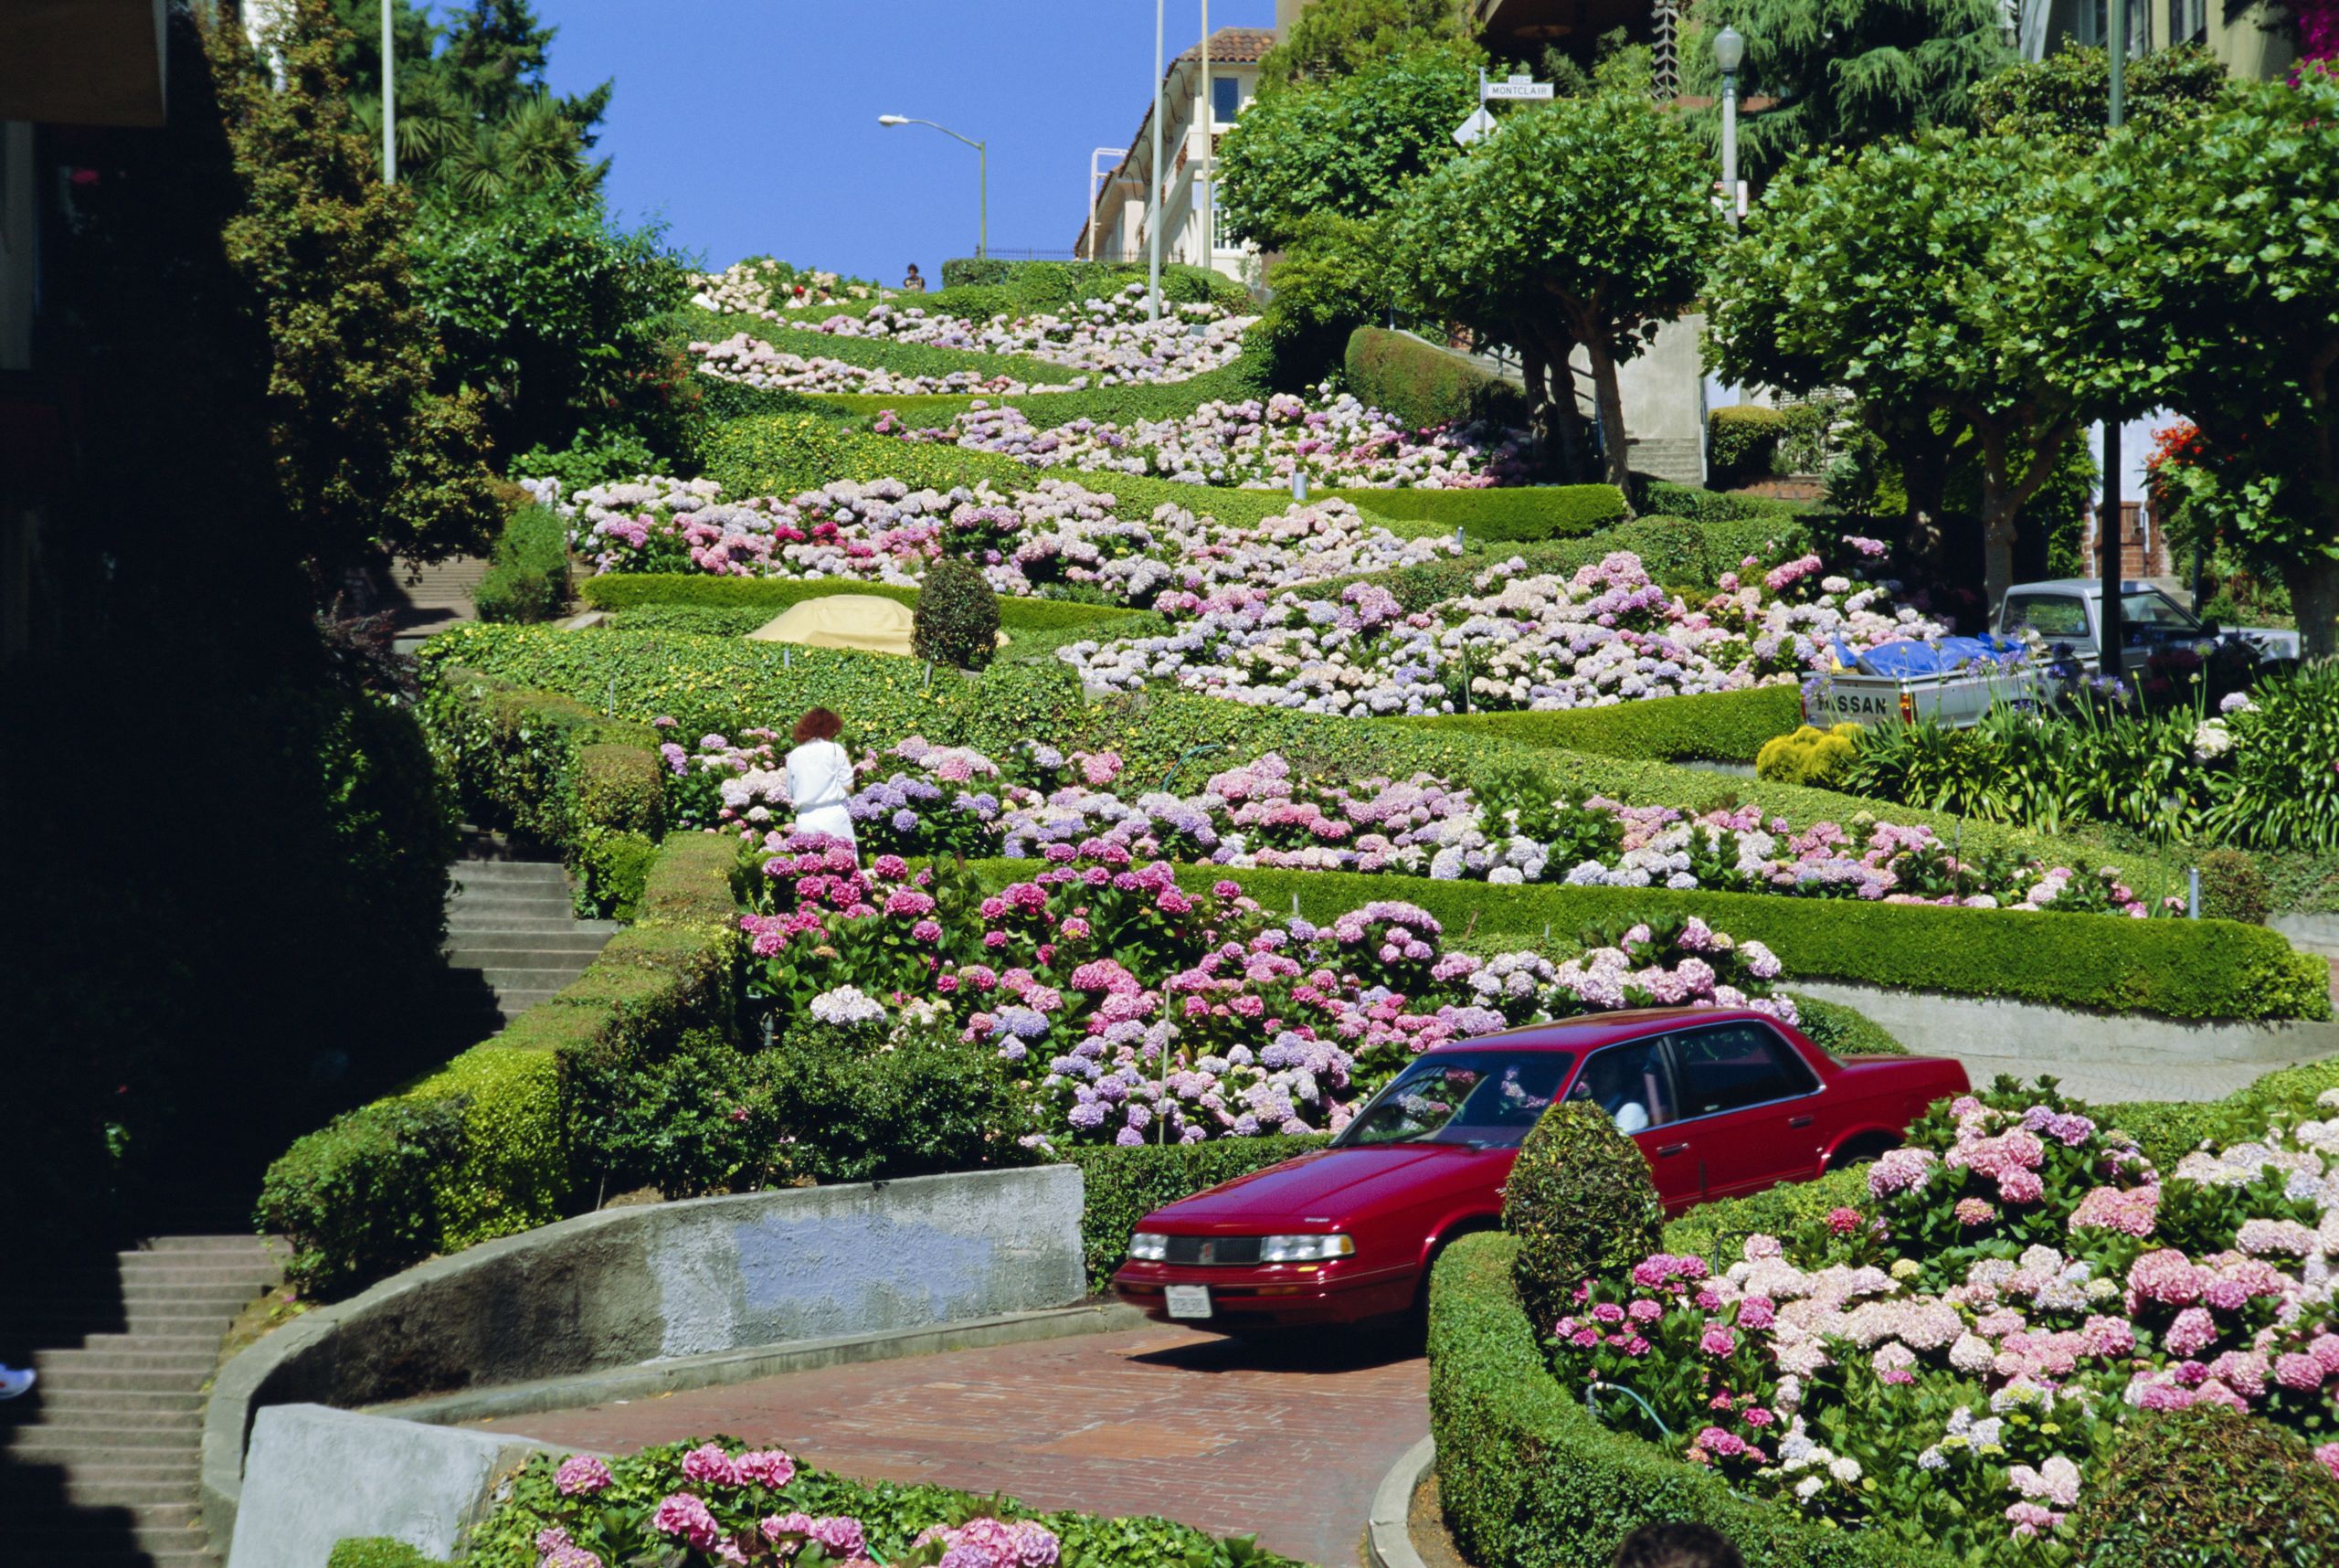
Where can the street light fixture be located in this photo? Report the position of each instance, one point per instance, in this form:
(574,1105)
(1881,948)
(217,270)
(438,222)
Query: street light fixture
(982,156)
(1730,50)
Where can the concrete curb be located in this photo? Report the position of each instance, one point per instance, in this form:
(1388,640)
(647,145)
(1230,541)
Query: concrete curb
(653,1378)
(1387,1542)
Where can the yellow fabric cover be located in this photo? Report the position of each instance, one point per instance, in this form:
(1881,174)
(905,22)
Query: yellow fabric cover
(863,620)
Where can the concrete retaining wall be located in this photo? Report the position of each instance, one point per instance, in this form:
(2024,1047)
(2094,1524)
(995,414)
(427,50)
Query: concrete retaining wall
(629,1286)
(2056,1038)
(2310,933)
(319,1476)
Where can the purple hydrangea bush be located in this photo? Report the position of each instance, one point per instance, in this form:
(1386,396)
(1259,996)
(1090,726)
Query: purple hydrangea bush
(1133,1011)
(1946,1361)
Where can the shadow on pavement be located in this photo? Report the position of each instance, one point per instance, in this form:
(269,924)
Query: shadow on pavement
(1342,1349)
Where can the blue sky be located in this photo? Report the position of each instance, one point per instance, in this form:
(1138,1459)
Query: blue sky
(750,126)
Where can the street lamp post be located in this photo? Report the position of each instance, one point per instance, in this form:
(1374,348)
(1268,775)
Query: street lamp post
(1729,49)
(2111,658)
(982,165)
(389,102)
(1156,197)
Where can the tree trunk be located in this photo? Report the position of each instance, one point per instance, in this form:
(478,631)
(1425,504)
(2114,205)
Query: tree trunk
(2313,580)
(1539,428)
(1998,522)
(1608,400)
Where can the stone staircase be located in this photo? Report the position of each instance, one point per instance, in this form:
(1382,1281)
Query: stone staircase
(98,1463)
(439,596)
(513,935)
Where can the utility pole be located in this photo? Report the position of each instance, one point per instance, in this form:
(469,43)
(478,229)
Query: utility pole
(389,102)
(2112,653)
(1210,134)
(1155,195)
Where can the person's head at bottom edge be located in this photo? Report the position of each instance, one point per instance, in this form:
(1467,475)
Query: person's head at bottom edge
(1677,1546)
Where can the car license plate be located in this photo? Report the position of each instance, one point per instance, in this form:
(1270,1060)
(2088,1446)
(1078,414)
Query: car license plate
(1189,1300)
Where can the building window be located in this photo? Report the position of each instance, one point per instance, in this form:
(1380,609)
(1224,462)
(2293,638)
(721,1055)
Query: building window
(2188,21)
(1225,98)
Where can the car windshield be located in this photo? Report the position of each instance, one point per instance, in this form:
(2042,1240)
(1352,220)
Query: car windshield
(2154,611)
(1486,1098)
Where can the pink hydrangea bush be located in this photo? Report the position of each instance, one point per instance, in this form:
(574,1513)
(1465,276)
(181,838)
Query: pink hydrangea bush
(715,1502)
(1131,1011)
(1947,1363)
(1256,443)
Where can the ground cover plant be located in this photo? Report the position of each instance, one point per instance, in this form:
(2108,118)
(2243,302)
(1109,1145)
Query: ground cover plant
(717,1499)
(1947,1356)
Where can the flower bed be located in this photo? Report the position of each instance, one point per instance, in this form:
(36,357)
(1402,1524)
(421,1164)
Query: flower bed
(1252,443)
(717,1500)
(751,361)
(763,286)
(1604,635)
(1110,339)
(1944,1364)
(1121,1001)
(917,799)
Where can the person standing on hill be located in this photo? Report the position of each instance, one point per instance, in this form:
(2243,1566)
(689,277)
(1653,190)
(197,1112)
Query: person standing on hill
(914,284)
(819,777)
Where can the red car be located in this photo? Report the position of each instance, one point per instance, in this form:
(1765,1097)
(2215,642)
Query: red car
(1721,1103)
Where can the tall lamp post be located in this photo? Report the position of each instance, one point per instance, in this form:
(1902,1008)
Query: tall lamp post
(1729,49)
(982,159)
(389,102)
(2111,659)
(1156,195)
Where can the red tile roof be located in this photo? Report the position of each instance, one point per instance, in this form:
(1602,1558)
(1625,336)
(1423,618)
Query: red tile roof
(1234,46)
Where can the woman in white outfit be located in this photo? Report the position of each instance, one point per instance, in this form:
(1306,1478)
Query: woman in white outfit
(819,777)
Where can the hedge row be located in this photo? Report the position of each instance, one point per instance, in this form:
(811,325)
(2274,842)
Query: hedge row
(633,590)
(787,454)
(1717,727)
(540,763)
(486,1146)
(1512,515)
(726,685)
(1422,385)
(2175,968)
(1052,285)
(1527,1475)
(1121,1186)
(2168,1131)
(1743,443)
(527,576)
(1701,505)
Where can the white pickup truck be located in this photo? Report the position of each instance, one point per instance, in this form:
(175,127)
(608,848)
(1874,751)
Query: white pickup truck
(1892,682)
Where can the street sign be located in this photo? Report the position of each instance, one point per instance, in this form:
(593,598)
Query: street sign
(1481,123)
(1517,87)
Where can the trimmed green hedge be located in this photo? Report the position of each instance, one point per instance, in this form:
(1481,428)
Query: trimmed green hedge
(1051,285)
(1842,1031)
(1700,505)
(1718,727)
(1717,1230)
(2177,969)
(1512,515)
(787,454)
(1121,1186)
(527,579)
(1527,1474)
(1424,385)
(2168,1131)
(485,1146)
(378,1552)
(1743,443)
(540,763)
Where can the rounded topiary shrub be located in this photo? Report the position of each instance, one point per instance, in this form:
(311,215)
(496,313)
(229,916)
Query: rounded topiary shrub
(957,616)
(1810,756)
(2207,1487)
(2233,888)
(1581,1202)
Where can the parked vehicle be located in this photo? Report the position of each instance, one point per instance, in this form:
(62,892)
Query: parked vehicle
(1908,681)
(1721,1102)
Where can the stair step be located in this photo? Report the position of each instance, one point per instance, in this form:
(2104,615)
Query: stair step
(508,873)
(162,1467)
(111,1352)
(111,1556)
(154,1268)
(117,1401)
(70,1444)
(76,1379)
(459,932)
(187,1417)
(570,944)
(533,977)
(114,1527)
(80,1494)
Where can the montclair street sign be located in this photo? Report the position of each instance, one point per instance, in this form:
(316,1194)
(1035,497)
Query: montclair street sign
(1514,90)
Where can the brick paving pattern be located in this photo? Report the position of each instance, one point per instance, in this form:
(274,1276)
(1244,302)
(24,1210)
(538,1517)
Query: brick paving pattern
(1281,1442)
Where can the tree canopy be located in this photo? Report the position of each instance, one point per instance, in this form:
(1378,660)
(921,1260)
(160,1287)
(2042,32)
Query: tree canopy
(1344,147)
(1845,73)
(1333,38)
(1583,223)
(2068,96)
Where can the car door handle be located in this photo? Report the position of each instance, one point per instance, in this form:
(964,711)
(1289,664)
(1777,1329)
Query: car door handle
(1800,1121)
(1664,1149)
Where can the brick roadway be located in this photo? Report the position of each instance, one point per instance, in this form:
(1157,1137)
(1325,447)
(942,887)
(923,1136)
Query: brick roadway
(1283,1443)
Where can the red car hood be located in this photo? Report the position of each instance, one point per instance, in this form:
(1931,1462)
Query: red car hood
(1331,1186)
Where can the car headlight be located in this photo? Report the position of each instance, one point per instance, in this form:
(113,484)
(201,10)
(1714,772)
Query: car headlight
(1148,1246)
(1305,1249)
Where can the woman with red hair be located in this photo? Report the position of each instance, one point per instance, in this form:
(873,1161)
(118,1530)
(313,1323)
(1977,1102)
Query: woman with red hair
(819,777)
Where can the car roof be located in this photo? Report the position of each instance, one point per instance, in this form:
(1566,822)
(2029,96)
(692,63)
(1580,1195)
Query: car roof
(2091,587)
(1595,1030)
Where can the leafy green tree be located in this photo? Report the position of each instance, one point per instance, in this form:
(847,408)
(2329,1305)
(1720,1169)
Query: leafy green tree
(1844,73)
(1347,147)
(2223,287)
(1583,223)
(554,313)
(2068,96)
(1928,278)
(371,461)
(1333,278)
(1334,38)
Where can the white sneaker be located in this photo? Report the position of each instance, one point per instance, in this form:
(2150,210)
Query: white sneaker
(14,1382)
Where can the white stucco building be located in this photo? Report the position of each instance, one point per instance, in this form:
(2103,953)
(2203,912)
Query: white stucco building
(1196,112)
